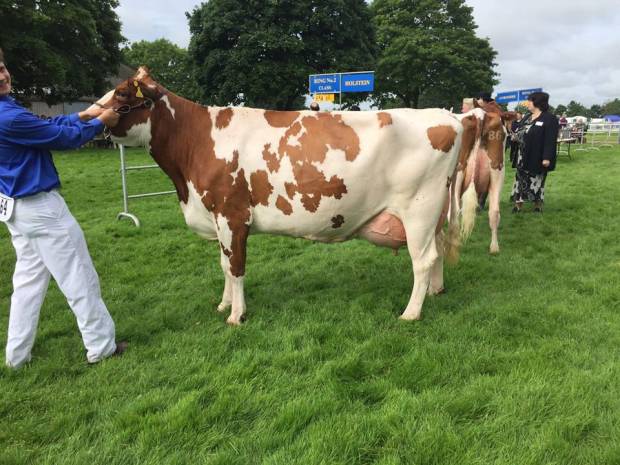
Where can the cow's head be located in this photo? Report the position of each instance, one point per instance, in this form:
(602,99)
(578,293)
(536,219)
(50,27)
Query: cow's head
(134,99)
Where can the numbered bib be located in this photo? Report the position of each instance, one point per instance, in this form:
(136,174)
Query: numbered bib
(6,207)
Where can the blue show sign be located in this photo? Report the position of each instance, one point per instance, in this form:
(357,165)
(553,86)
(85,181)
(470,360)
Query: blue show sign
(358,82)
(342,82)
(524,93)
(515,95)
(507,97)
(324,83)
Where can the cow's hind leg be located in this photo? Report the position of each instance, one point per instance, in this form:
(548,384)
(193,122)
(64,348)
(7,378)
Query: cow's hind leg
(233,250)
(436,282)
(227,296)
(420,232)
(495,188)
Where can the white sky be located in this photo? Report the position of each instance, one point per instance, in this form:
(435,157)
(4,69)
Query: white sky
(570,48)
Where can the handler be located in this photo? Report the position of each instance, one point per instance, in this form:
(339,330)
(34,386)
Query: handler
(47,239)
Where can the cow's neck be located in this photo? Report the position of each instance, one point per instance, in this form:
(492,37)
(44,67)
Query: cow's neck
(178,128)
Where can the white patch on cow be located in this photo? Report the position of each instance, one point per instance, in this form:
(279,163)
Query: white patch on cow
(197,217)
(168,105)
(138,135)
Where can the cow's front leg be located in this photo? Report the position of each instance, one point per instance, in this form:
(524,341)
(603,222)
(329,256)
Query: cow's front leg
(233,242)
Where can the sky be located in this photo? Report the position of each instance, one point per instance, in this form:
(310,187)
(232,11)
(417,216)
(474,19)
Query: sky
(570,48)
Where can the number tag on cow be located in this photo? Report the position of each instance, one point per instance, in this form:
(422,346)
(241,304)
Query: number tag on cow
(6,207)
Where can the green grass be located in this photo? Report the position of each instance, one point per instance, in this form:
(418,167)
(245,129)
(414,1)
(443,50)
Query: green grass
(516,364)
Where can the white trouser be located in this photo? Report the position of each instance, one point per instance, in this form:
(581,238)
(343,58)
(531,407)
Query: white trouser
(49,241)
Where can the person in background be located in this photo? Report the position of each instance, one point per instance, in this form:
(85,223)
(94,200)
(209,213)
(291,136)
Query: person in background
(467,105)
(537,137)
(314,106)
(47,239)
(512,139)
(563,121)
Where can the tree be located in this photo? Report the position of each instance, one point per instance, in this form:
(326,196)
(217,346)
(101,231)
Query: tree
(429,54)
(168,64)
(595,111)
(60,49)
(612,107)
(560,109)
(260,53)
(575,109)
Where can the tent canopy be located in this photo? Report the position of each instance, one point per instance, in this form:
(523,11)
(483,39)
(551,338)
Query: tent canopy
(612,118)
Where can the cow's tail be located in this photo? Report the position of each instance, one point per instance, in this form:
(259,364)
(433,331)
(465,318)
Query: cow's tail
(468,211)
(452,242)
(469,199)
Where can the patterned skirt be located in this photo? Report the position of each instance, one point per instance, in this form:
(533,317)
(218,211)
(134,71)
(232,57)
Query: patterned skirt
(528,187)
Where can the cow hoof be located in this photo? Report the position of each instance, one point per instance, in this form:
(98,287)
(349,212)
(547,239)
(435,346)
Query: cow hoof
(410,317)
(235,321)
(439,291)
(222,307)
(494,250)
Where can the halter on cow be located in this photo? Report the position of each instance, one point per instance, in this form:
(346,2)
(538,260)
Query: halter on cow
(383,176)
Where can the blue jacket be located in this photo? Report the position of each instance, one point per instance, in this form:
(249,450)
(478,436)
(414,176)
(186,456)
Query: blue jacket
(26,166)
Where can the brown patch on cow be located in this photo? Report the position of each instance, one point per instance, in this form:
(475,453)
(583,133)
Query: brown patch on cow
(190,157)
(280,119)
(261,188)
(468,140)
(223,118)
(337,221)
(290,189)
(306,143)
(385,119)
(323,131)
(312,185)
(493,139)
(273,162)
(283,205)
(442,137)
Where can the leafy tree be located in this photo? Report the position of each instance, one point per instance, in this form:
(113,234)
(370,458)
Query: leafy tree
(561,109)
(60,49)
(168,64)
(595,111)
(576,109)
(260,53)
(429,54)
(612,107)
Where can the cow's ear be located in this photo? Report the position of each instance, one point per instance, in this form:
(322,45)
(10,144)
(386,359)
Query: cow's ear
(149,88)
(143,72)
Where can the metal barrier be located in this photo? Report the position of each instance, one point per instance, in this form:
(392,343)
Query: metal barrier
(124,168)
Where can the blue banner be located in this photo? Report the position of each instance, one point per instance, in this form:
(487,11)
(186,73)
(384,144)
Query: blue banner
(507,97)
(324,83)
(524,93)
(515,95)
(358,82)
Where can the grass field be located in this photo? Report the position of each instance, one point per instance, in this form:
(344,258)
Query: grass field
(517,364)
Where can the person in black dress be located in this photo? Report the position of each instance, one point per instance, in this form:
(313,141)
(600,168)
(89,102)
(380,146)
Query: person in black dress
(537,136)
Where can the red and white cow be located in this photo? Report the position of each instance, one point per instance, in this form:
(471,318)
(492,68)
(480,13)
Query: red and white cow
(484,172)
(383,176)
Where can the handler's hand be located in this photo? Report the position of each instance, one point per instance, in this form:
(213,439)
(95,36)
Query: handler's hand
(91,112)
(545,163)
(109,117)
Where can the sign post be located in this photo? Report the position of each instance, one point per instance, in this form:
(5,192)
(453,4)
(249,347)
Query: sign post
(338,83)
